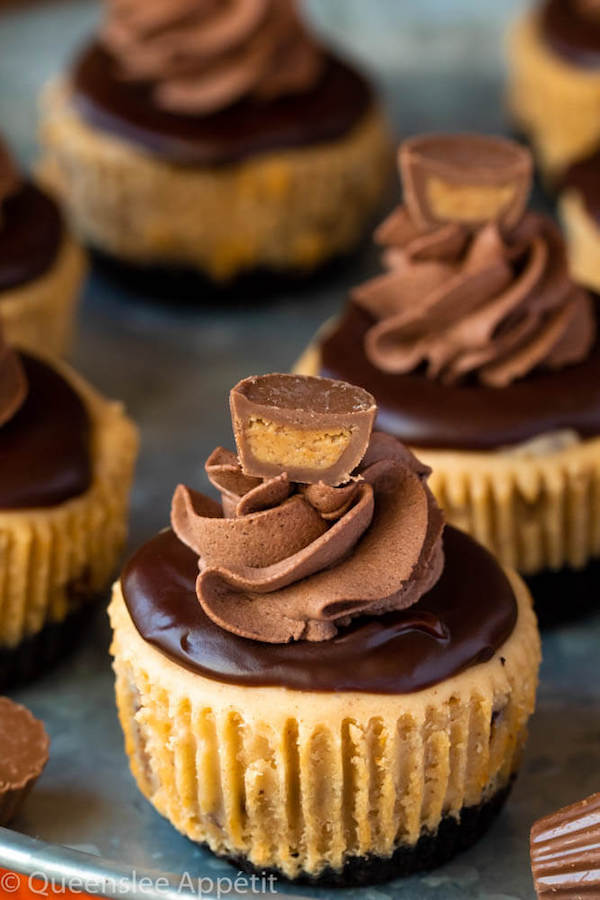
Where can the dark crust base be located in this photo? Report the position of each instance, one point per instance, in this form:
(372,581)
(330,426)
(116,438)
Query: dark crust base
(36,654)
(566,595)
(187,287)
(431,850)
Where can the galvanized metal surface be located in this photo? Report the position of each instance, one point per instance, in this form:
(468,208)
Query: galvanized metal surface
(173,367)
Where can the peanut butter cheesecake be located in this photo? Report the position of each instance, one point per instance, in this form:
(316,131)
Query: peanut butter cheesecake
(482,354)
(313,676)
(66,464)
(41,265)
(554,92)
(216,138)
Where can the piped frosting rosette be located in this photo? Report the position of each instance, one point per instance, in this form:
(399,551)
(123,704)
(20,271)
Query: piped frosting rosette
(474,286)
(283,560)
(204,55)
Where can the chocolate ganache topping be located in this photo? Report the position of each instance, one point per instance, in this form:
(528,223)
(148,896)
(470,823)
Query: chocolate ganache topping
(13,381)
(205,55)
(31,227)
(284,560)
(475,287)
(44,434)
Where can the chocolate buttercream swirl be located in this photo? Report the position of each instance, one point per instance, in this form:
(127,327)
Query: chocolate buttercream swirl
(13,381)
(485,300)
(10,178)
(281,561)
(589,9)
(202,56)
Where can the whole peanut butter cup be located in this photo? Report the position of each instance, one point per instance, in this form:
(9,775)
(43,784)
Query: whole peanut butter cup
(24,751)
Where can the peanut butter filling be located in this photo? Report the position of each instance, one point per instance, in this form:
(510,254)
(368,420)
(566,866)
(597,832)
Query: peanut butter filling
(285,446)
(468,202)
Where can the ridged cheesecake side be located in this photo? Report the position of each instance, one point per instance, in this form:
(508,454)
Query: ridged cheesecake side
(306,783)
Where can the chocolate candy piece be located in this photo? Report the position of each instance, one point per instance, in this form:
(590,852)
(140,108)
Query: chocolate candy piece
(422,412)
(24,747)
(314,429)
(471,179)
(565,852)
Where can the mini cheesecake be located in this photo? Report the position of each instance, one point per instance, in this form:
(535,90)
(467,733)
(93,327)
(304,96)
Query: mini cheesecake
(554,92)
(554,81)
(41,266)
(316,678)
(67,462)
(214,142)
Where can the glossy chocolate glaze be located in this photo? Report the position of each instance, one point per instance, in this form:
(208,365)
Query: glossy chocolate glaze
(571,34)
(455,626)
(30,236)
(45,447)
(423,412)
(328,111)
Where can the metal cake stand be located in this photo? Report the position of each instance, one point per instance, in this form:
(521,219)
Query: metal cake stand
(439,66)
